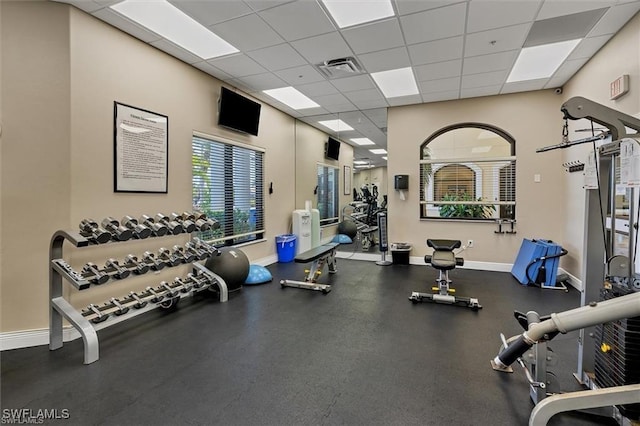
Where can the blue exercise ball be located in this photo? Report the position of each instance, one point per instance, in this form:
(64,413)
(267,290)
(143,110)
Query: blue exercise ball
(232,265)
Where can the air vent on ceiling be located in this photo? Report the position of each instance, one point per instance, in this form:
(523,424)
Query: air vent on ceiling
(342,67)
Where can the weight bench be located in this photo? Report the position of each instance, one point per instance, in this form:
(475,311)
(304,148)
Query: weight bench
(443,259)
(318,255)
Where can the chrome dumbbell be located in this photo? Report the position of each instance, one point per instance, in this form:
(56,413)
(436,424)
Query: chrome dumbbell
(187,224)
(185,255)
(92,273)
(167,257)
(139,231)
(201,245)
(132,263)
(153,262)
(121,308)
(90,229)
(139,302)
(190,247)
(118,232)
(174,227)
(157,296)
(119,272)
(158,229)
(211,223)
(184,286)
(198,281)
(94,310)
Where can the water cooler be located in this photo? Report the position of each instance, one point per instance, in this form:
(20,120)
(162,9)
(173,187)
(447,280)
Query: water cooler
(302,229)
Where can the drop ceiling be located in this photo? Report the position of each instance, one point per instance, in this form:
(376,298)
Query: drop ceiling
(456,50)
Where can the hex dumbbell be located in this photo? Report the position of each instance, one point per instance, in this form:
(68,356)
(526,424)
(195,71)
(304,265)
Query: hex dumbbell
(119,272)
(90,229)
(139,230)
(153,262)
(167,257)
(99,315)
(197,280)
(158,229)
(138,268)
(121,308)
(139,302)
(118,232)
(92,273)
(185,255)
(174,227)
(187,224)
(198,253)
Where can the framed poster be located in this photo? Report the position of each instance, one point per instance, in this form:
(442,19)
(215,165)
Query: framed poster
(141,150)
(347,180)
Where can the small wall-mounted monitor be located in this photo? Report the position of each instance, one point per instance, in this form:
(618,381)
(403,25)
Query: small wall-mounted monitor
(238,113)
(332,149)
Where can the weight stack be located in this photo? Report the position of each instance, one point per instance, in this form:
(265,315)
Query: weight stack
(617,352)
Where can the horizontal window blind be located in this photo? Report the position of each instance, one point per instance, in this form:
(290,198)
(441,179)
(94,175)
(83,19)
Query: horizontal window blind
(327,194)
(228,182)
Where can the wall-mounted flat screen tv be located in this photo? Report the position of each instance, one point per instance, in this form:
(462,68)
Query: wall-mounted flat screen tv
(238,113)
(332,149)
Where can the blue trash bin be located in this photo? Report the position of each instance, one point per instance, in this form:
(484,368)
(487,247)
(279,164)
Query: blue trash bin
(286,246)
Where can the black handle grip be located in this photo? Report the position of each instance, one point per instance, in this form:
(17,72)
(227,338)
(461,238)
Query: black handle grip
(514,351)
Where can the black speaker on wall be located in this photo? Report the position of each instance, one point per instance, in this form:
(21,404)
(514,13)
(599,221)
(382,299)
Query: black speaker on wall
(401,182)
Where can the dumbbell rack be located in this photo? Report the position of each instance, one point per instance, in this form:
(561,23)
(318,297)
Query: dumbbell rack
(60,308)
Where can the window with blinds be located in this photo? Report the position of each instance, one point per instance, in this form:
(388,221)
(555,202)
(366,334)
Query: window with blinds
(468,172)
(228,187)
(327,194)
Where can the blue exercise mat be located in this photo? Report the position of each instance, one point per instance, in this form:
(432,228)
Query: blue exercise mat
(528,261)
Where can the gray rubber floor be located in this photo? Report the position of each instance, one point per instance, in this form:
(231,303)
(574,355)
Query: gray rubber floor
(361,355)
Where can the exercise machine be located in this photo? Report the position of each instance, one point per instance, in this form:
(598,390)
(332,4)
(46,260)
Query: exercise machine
(542,329)
(605,359)
(318,256)
(444,260)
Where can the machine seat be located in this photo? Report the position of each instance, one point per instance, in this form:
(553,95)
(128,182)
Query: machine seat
(446,245)
(443,257)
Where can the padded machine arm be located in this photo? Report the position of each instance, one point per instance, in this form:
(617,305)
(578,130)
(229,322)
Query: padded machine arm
(579,107)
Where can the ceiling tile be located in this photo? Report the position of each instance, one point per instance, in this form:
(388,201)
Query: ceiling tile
(322,48)
(385,60)
(211,70)
(247,33)
(553,8)
(378,116)
(562,28)
(375,36)
(588,47)
(524,86)
(177,51)
(480,91)
(404,7)
(138,31)
(258,5)
(569,68)
(486,63)
(340,107)
(350,84)
(484,79)
(436,51)
(238,65)
(333,99)
(615,18)
(236,83)
(275,58)
(490,14)
(364,95)
(317,89)
(300,75)
(441,85)
(494,41)
(434,24)
(298,20)
(556,82)
(260,82)
(438,70)
(212,12)
(373,103)
(440,96)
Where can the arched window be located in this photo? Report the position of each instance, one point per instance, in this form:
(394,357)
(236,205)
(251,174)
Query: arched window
(467,171)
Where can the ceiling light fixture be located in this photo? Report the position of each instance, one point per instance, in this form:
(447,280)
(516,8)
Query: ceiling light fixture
(291,97)
(398,82)
(349,12)
(362,141)
(378,151)
(171,23)
(336,125)
(541,61)
(360,162)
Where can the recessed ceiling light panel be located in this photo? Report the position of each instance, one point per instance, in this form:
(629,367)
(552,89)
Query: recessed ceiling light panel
(291,97)
(398,82)
(336,125)
(541,61)
(171,23)
(349,12)
(362,141)
(378,151)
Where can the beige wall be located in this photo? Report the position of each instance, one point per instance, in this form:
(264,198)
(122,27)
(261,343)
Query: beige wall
(621,55)
(62,72)
(533,119)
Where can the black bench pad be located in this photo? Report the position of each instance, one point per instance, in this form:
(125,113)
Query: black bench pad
(315,253)
(448,245)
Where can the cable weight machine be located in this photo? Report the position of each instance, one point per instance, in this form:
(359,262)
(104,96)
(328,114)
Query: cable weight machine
(610,294)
